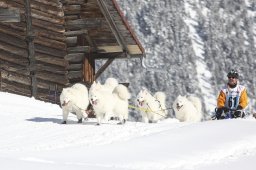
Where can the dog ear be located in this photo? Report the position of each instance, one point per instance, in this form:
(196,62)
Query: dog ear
(93,84)
(143,89)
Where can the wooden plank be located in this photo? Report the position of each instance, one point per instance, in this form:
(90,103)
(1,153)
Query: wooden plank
(75,67)
(72,9)
(13,40)
(47,17)
(103,67)
(74,2)
(49,76)
(88,23)
(78,49)
(13,58)
(51,60)
(55,10)
(50,43)
(50,68)
(9,15)
(48,26)
(89,64)
(52,35)
(44,84)
(15,77)
(89,69)
(75,74)
(6,29)
(50,2)
(75,33)
(109,49)
(16,68)
(75,57)
(71,41)
(50,51)
(16,88)
(13,50)
(134,50)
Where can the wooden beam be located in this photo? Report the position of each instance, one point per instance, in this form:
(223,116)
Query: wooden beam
(72,9)
(134,50)
(84,23)
(89,69)
(75,33)
(74,57)
(9,15)
(88,62)
(74,2)
(109,49)
(78,49)
(103,68)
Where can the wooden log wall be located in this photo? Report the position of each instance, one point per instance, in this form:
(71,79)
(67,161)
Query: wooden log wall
(81,67)
(60,46)
(48,27)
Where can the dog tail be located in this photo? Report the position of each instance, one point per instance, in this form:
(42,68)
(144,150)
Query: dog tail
(81,88)
(111,83)
(161,97)
(122,92)
(196,102)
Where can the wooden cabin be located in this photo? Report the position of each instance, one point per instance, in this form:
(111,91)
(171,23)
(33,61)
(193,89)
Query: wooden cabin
(46,45)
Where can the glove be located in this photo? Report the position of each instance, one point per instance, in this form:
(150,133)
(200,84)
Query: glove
(238,113)
(239,107)
(225,109)
(219,112)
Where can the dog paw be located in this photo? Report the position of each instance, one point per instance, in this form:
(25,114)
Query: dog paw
(64,122)
(80,121)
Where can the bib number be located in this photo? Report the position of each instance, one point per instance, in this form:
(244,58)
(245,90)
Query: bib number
(232,102)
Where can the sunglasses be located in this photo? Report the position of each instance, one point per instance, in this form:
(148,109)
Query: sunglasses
(232,77)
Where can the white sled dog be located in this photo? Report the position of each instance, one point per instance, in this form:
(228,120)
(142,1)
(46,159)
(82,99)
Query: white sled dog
(152,108)
(108,104)
(110,84)
(188,109)
(74,99)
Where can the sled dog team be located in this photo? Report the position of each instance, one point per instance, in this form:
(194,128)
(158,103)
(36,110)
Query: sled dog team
(111,99)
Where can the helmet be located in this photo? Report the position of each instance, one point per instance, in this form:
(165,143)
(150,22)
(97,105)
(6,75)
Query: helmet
(233,73)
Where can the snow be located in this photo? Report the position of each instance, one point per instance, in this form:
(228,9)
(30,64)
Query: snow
(33,138)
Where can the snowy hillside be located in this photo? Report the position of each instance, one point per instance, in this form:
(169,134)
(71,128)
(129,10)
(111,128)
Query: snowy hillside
(190,46)
(33,138)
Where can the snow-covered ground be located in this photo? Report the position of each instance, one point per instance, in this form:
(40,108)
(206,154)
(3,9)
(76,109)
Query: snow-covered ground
(31,137)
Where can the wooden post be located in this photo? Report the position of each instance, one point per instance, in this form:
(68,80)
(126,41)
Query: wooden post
(31,48)
(0,76)
(88,64)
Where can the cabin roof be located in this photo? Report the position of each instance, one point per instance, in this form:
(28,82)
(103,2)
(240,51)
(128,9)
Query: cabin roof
(103,23)
(107,29)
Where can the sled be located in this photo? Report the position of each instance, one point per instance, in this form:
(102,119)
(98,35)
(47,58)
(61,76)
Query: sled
(229,114)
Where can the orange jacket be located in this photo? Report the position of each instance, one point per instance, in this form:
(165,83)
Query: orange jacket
(243,99)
